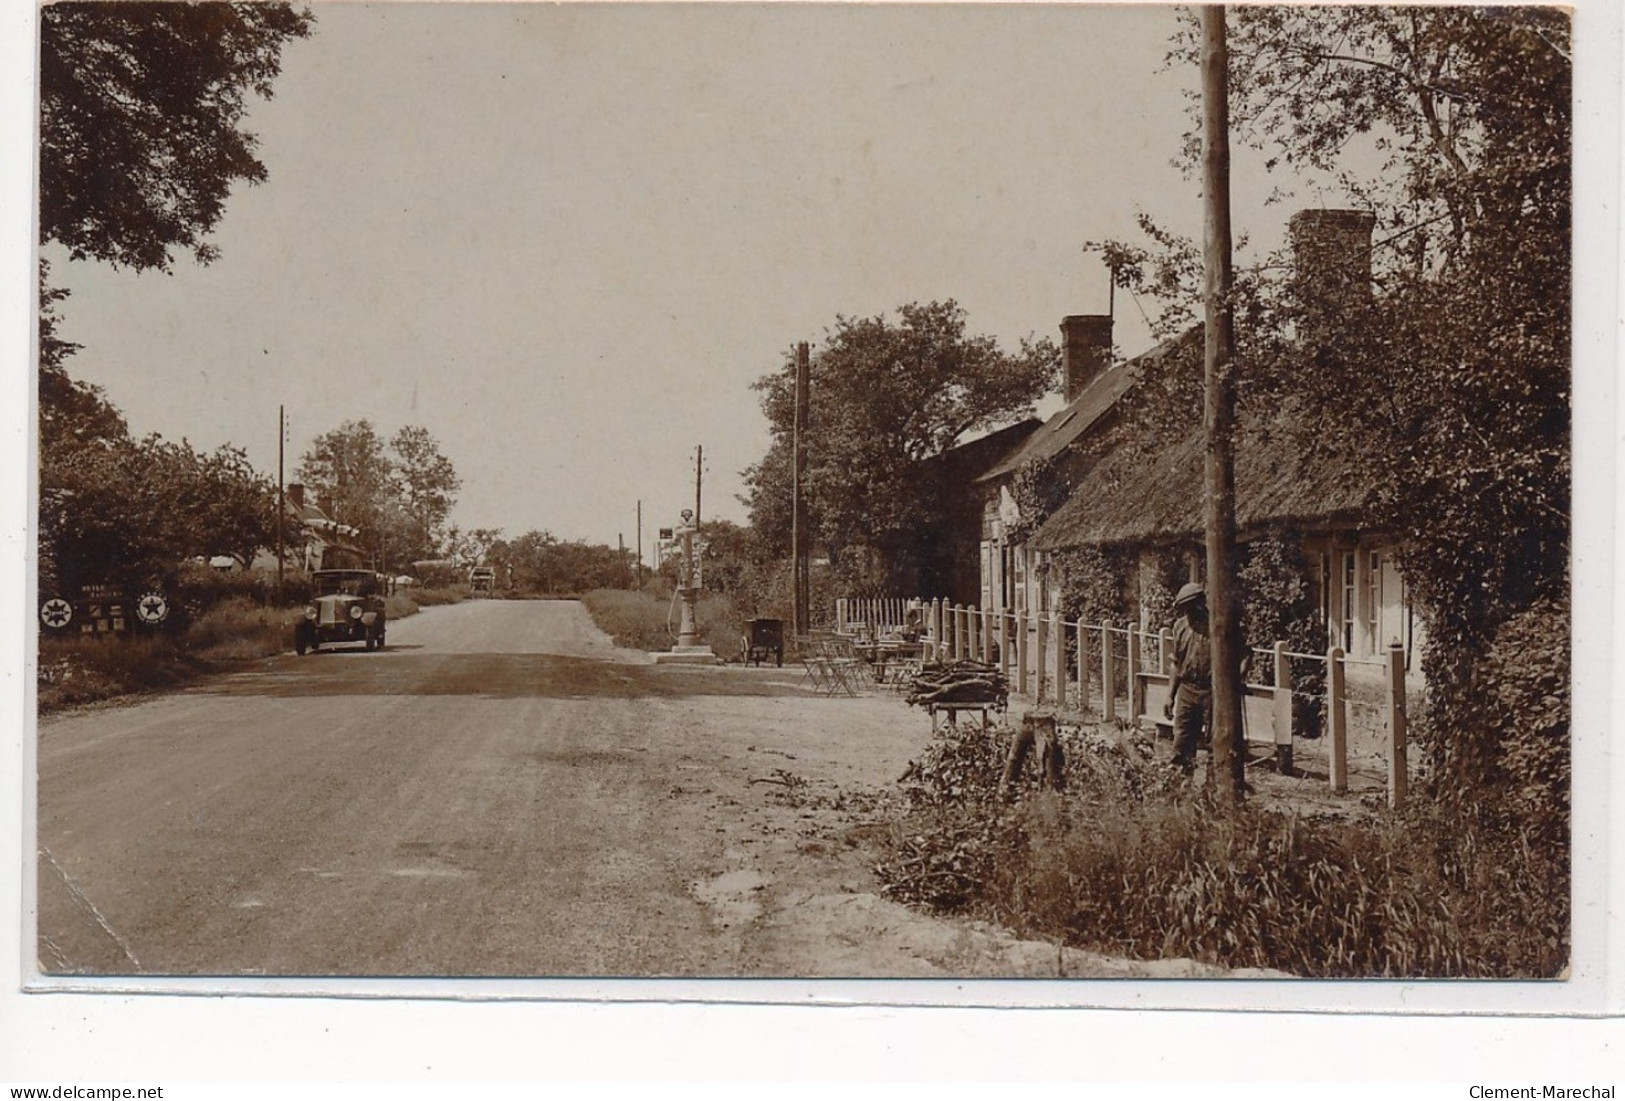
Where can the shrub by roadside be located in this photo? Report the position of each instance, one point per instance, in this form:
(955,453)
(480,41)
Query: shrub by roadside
(84,669)
(1132,862)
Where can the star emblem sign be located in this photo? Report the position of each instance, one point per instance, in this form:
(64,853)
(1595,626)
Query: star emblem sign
(152,608)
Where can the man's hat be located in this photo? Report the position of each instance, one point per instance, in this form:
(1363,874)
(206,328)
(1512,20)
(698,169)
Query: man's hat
(1189,592)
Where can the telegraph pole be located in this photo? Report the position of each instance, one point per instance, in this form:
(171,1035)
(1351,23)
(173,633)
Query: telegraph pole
(1228,773)
(798,521)
(699,463)
(281,493)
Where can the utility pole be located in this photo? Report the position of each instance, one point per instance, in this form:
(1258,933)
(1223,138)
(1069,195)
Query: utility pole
(1219,413)
(640,544)
(798,522)
(281,494)
(699,464)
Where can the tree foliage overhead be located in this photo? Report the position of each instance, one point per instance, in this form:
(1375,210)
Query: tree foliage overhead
(141,112)
(141,106)
(886,395)
(1451,381)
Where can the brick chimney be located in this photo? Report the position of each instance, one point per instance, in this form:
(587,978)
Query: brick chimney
(1086,351)
(296,495)
(1331,260)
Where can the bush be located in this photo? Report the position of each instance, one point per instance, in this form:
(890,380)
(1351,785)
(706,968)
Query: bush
(1131,861)
(426,597)
(1528,670)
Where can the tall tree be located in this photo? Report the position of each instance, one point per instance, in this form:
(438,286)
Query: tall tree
(424,483)
(141,112)
(885,396)
(141,141)
(398,494)
(349,472)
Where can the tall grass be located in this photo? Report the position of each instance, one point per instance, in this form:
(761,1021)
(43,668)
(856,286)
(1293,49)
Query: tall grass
(1130,861)
(81,669)
(640,620)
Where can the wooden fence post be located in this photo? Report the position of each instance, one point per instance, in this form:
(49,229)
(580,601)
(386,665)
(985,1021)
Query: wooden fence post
(1165,652)
(1337,722)
(1108,678)
(1283,711)
(961,632)
(1004,645)
(1136,691)
(1058,629)
(1083,667)
(1396,726)
(1041,654)
(1021,652)
(987,635)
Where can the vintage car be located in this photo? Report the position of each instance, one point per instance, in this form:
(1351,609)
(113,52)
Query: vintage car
(347,606)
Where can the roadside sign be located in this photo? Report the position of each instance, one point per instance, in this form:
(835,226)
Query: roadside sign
(152,609)
(56,613)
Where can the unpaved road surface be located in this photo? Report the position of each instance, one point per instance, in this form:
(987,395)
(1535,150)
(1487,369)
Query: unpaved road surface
(500,793)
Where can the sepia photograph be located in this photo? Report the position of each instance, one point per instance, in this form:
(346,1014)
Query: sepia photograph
(754,491)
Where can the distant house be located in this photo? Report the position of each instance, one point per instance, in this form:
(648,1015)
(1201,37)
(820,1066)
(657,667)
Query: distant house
(313,540)
(1148,501)
(1068,446)
(949,568)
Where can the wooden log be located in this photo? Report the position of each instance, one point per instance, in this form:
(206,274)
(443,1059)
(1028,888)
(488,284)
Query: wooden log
(1037,733)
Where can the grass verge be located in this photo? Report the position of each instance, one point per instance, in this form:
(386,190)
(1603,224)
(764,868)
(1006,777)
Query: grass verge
(645,621)
(1130,861)
(81,669)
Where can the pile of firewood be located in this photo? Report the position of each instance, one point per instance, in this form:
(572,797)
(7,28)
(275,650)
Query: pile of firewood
(961,682)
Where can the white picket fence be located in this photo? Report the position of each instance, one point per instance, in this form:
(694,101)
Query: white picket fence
(1108,670)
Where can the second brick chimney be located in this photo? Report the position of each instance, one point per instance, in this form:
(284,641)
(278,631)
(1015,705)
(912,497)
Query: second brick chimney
(1086,351)
(1331,259)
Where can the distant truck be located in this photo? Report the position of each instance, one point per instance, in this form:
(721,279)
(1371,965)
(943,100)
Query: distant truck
(482,579)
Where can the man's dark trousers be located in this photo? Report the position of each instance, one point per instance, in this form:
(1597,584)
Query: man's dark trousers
(1193,713)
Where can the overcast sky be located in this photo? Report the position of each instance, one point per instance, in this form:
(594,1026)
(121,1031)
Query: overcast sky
(566,239)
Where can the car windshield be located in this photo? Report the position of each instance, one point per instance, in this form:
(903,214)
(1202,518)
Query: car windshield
(344,583)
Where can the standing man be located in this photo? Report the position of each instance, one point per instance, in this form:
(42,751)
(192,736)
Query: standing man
(1190,694)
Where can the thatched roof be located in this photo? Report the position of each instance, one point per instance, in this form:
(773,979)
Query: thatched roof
(1138,495)
(1089,409)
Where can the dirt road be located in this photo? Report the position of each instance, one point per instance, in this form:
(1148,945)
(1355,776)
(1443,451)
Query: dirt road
(500,793)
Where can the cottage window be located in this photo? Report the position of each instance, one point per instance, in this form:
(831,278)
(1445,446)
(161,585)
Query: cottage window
(1350,595)
(1374,603)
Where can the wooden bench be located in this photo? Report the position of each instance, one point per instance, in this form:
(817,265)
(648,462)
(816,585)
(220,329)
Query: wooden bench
(1258,711)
